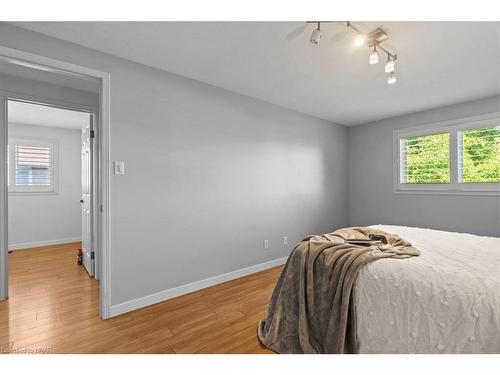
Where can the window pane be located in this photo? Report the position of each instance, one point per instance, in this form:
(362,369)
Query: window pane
(480,152)
(33,166)
(425,159)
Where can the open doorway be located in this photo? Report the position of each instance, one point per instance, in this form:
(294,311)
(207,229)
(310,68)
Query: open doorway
(42,89)
(50,180)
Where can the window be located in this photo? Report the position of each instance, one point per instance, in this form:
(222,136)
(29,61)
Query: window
(480,155)
(426,159)
(454,157)
(31,166)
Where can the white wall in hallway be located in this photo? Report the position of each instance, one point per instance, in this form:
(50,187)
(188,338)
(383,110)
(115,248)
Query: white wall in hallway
(42,219)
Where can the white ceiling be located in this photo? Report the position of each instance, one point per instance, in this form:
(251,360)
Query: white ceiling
(40,115)
(439,63)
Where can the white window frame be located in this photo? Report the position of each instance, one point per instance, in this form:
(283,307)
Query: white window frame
(33,190)
(452,127)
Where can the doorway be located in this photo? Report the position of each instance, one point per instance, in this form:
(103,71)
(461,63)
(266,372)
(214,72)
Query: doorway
(50,179)
(94,187)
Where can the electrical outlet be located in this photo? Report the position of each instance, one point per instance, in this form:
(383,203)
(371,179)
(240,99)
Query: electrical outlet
(266,244)
(285,240)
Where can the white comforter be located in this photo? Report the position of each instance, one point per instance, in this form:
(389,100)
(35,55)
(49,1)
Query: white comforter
(447,300)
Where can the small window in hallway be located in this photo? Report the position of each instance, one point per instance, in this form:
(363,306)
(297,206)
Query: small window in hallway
(32,166)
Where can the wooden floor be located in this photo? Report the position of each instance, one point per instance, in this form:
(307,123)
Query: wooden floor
(53,307)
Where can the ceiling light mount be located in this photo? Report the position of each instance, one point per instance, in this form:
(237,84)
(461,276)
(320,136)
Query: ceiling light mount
(376,37)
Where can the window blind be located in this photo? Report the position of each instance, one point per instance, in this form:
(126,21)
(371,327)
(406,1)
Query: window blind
(425,159)
(33,165)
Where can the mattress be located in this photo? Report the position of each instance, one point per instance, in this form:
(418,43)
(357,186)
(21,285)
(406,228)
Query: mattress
(447,300)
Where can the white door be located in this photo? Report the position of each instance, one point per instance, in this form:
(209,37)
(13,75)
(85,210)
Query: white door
(86,198)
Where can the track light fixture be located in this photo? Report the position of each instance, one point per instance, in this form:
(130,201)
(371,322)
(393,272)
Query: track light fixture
(374,57)
(371,40)
(316,35)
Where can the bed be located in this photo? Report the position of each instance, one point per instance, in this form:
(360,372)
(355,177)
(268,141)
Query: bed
(424,291)
(447,300)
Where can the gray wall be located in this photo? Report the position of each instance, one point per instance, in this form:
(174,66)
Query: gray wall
(10,85)
(371,197)
(209,174)
(37,219)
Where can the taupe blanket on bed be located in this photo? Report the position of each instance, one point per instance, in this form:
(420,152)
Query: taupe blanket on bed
(312,308)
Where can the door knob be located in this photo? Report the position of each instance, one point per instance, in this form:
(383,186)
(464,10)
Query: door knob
(81,200)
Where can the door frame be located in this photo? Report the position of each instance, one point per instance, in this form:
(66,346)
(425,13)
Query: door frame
(102,168)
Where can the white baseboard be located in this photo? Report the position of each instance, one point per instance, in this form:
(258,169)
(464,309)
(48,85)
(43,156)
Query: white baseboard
(28,245)
(192,287)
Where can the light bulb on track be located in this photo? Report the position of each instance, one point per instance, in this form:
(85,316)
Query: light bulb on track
(316,35)
(359,40)
(391,79)
(389,65)
(374,57)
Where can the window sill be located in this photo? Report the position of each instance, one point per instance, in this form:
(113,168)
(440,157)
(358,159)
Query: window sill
(52,192)
(447,192)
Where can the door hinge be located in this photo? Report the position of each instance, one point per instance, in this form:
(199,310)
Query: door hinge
(92,255)
(92,134)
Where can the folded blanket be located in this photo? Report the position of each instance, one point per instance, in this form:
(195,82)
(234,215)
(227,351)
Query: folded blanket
(312,308)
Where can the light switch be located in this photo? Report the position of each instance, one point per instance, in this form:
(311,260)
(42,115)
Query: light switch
(119,167)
